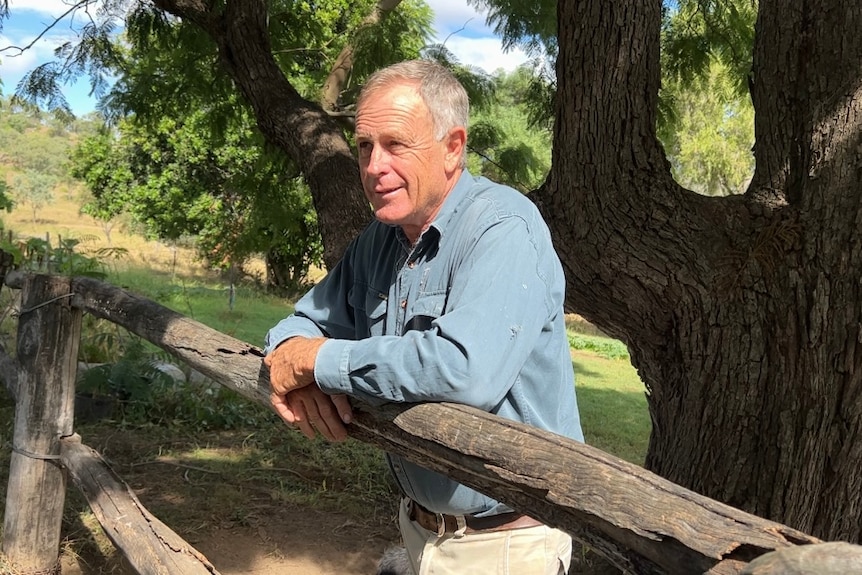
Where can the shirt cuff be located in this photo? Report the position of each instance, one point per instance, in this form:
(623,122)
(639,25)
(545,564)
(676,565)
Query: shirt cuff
(331,367)
(277,336)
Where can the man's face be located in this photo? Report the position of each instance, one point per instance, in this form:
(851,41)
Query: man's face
(406,172)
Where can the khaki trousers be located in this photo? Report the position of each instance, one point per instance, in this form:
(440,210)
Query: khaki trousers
(531,551)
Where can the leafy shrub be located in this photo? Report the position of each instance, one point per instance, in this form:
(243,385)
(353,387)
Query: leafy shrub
(603,346)
(37,254)
(141,392)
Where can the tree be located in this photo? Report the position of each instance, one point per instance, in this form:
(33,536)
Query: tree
(710,144)
(6,202)
(743,314)
(34,189)
(706,122)
(197,162)
(176,178)
(504,145)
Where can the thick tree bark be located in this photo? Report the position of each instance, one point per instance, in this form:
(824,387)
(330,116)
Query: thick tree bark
(742,314)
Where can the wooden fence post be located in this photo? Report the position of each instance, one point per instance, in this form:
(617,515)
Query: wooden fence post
(49,333)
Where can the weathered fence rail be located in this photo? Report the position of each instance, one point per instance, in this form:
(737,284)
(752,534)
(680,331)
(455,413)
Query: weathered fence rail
(639,521)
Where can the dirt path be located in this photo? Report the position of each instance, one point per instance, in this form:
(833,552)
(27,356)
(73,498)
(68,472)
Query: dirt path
(297,542)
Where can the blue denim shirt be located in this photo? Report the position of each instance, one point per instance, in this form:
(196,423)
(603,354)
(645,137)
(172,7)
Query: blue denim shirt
(472,314)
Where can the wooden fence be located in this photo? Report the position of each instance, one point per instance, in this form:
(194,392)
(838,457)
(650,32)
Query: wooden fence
(637,520)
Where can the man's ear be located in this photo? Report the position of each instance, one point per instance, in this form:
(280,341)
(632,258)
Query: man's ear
(456,140)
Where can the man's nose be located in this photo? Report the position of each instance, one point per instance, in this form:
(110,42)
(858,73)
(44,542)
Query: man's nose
(378,160)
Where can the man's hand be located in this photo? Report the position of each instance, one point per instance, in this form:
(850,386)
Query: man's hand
(308,408)
(291,364)
(295,396)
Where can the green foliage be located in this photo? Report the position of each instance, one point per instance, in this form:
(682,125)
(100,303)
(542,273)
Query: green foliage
(178,178)
(710,151)
(502,143)
(95,161)
(199,405)
(129,377)
(33,149)
(143,392)
(707,120)
(190,161)
(94,56)
(532,25)
(37,254)
(138,385)
(6,202)
(700,32)
(602,346)
(306,40)
(695,34)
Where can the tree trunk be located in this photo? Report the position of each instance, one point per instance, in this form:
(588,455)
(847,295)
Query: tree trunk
(742,314)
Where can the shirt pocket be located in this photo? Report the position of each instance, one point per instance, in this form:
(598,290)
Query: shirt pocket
(424,311)
(370,307)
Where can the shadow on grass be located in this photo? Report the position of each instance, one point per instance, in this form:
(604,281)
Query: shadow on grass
(614,412)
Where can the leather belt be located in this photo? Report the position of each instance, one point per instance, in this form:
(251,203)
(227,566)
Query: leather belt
(441,523)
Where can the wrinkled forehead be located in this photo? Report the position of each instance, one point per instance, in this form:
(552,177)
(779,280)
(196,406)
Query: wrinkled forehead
(390,89)
(391,106)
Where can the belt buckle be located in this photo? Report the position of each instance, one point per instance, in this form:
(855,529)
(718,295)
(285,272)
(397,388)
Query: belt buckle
(441,524)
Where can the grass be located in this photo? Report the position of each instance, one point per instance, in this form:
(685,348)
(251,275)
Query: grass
(244,464)
(612,405)
(248,318)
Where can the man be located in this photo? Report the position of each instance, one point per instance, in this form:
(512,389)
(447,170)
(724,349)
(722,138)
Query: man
(454,293)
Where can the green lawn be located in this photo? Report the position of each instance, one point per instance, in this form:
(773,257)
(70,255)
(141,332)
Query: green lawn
(613,406)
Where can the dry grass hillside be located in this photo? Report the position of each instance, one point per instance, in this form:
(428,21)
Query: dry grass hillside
(61,218)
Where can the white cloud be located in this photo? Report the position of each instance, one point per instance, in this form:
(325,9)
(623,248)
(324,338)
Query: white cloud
(50,8)
(486,53)
(14,63)
(465,34)
(450,16)
(32,19)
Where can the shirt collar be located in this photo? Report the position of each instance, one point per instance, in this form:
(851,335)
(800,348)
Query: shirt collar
(450,205)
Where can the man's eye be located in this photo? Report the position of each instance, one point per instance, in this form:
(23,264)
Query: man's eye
(364,148)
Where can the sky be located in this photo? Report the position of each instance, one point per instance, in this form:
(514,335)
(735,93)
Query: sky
(458,25)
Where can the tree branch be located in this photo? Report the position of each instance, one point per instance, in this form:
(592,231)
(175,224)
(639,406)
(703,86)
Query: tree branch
(337,78)
(312,139)
(47,28)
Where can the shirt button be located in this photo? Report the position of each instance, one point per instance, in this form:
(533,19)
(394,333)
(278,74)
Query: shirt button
(404,304)
(411,265)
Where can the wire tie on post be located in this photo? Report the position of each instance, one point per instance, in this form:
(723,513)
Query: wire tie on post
(32,455)
(44,303)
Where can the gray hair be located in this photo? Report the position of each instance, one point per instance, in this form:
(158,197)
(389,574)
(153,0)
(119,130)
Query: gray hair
(441,92)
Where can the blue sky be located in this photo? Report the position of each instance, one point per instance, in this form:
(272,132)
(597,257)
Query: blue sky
(459,25)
